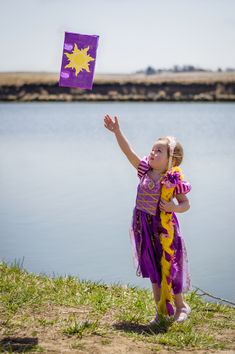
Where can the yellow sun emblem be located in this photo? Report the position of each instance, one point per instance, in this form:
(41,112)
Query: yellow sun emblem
(79,59)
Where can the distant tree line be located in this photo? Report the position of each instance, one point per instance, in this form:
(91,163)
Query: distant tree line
(179,69)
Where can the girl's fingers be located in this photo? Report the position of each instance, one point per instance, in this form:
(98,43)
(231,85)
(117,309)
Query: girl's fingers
(109,118)
(107,121)
(108,126)
(163,203)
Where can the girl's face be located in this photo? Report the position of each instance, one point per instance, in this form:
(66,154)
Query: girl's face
(158,157)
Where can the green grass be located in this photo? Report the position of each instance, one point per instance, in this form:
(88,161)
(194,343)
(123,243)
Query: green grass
(80,328)
(100,309)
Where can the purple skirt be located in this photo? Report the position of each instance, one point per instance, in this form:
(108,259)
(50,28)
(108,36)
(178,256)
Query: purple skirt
(147,251)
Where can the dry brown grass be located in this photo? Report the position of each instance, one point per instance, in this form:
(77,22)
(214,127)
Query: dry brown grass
(21,78)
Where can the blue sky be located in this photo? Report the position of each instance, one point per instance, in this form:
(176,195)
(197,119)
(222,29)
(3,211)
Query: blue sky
(133,33)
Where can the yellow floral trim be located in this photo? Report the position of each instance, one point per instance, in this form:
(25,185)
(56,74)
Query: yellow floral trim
(166,301)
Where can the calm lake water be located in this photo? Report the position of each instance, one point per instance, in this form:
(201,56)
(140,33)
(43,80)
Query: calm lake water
(67,192)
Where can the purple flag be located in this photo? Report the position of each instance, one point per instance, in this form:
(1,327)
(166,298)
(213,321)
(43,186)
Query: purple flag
(78,61)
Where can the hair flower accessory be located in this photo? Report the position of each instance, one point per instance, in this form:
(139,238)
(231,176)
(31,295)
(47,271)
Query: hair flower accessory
(171,178)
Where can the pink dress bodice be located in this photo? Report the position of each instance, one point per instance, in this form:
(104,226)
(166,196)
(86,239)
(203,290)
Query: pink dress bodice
(148,195)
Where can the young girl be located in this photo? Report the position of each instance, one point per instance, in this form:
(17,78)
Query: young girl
(159,248)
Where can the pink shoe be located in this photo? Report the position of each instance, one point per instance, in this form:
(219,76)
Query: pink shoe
(183,315)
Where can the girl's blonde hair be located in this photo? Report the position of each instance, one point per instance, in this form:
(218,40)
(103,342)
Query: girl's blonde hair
(178,152)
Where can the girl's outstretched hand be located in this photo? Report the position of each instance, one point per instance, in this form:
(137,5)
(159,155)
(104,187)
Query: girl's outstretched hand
(111,124)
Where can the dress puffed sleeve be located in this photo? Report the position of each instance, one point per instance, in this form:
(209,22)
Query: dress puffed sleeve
(183,187)
(143,167)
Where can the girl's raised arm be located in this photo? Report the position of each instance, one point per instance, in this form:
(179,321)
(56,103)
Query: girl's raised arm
(113,126)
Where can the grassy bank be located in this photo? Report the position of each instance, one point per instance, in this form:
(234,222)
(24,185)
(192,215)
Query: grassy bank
(63,314)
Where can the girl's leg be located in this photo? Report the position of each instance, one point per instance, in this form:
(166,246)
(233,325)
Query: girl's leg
(179,301)
(182,308)
(156,293)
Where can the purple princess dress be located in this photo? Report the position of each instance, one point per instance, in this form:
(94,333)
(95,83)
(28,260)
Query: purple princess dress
(146,229)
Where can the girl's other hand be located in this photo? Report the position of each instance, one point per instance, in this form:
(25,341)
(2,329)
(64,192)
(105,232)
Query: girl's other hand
(167,206)
(111,124)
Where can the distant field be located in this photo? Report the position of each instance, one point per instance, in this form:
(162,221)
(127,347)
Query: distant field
(195,86)
(18,79)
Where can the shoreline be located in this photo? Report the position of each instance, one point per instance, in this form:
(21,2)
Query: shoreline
(169,87)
